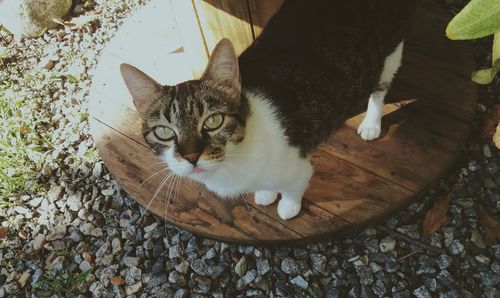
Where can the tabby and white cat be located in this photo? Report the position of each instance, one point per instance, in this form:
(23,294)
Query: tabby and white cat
(249,124)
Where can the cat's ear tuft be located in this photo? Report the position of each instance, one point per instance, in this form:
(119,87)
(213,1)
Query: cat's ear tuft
(223,66)
(143,88)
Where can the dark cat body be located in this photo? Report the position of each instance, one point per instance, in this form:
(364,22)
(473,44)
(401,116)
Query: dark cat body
(319,61)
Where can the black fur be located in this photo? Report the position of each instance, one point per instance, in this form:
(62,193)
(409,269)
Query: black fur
(318,61)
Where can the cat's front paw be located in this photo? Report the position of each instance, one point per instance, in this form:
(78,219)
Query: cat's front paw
(265,197)
(289,208)
(369,130)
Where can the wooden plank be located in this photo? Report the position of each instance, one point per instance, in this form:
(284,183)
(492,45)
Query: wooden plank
(191,35)
(351,192)
(261,12)
(225,18)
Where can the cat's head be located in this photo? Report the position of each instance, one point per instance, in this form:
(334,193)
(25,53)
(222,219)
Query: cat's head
(194,126)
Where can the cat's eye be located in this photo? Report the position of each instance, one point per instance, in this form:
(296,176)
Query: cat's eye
(164,133)
(213,122)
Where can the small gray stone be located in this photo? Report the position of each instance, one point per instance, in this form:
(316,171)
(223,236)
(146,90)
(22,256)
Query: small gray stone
(181,293)
(379,288)
(431,284)
(318,263)
(58,232)
(151,227)
(456,248)
(86,228)
(444,261)
(449,234)
(211,253)
(175,252)
(365,276)
(204,284)
(131,261)
(244,281)
(74,202)
(54,193)
(262,266)
(446,278)
(200,267)
(289,266)
(96,232)
(182,267)
(488,279)
(97,289)
(483,259)
(177,278)
(129,290)
(387,244)
(103,250)
(300,282)
(241,266)
(39,241)
(108,192)
(23,279)
(11,288)
(132,275)
(495,267)
(116,246)
(422,292)
(85,266)
(35,202)
(477,239)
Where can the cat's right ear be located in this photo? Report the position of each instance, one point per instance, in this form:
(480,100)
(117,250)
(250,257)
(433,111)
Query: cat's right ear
(143,88)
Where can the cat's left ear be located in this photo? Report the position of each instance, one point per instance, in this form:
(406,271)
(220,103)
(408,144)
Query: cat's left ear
(143,88)
(223,66)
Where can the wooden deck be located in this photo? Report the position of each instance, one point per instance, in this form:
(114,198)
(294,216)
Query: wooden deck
(355,182)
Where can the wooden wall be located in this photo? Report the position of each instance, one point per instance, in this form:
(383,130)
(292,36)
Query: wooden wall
(202,23)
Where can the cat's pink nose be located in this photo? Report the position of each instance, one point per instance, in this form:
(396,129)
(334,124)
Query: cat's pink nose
(192,157)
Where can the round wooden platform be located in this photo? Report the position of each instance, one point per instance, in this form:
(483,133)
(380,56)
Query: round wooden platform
(355,182)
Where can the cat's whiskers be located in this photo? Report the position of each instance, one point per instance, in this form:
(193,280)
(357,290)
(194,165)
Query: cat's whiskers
(156,173)
(170,191)
(156,193)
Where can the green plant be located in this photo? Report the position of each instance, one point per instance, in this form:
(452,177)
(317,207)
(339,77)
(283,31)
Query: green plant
(479,18)
(18,144)
(63,283)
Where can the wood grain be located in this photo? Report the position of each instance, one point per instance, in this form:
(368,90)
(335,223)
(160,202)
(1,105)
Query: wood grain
(355,182)
(225,18)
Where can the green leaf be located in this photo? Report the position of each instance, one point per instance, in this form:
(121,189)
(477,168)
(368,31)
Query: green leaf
(484,76)
(495,56)
(479,18)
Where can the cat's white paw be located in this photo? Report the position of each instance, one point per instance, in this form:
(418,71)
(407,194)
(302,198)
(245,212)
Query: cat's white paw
(265,197)
(369,130)
(288,208)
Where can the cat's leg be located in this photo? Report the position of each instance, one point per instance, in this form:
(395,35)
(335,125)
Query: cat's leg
(370,128)
(264,197)
(291,195)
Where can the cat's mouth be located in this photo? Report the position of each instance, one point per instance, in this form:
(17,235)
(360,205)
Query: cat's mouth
(198,169)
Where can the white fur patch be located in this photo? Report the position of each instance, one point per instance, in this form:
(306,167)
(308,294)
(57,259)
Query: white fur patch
(370,128)
(263,161)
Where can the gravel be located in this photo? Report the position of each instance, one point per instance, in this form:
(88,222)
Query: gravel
(84,232)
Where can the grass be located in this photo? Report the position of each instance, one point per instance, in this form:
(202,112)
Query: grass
(19,143)
(63,283)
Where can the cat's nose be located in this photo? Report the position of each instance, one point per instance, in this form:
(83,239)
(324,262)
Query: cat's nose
(192,157)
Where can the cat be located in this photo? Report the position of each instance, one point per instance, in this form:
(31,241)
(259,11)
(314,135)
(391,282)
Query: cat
(250,123)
